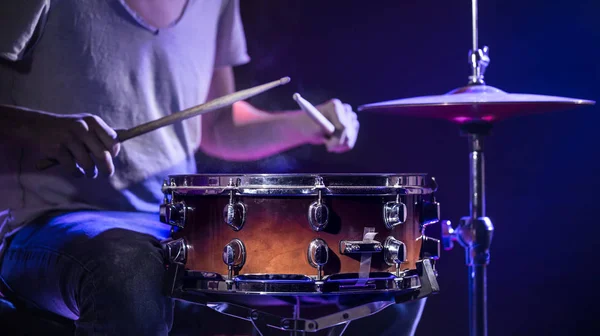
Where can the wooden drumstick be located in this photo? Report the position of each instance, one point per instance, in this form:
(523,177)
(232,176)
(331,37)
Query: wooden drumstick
(215,104)
(317,116)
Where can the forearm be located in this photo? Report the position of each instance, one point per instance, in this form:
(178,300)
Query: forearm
(244,133)
(250,134)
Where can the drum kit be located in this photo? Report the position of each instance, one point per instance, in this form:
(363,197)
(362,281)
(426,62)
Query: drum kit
(306,253)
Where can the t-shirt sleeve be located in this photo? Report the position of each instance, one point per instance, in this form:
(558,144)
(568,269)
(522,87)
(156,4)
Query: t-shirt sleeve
(231,40)
(20,24)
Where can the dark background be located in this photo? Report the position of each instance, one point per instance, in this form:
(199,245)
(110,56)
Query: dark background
(542,171)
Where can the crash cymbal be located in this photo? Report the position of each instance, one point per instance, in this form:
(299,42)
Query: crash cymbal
(475,102)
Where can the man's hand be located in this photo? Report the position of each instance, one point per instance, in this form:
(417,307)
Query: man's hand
(346,125)
(83,144)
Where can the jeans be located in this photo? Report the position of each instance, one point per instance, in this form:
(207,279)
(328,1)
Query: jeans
(105,271)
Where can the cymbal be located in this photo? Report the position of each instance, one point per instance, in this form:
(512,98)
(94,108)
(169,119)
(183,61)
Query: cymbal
(475,102)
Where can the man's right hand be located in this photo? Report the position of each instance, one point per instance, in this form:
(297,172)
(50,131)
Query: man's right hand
(83,144)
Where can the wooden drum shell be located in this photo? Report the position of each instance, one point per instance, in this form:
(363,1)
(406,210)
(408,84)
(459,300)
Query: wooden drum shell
(276,232)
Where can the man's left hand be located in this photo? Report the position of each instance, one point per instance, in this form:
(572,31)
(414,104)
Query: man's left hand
(346,125)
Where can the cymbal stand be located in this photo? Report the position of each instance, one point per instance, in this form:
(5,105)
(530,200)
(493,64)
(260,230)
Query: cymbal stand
(475,231)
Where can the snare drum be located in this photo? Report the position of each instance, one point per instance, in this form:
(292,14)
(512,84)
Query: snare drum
(325,236)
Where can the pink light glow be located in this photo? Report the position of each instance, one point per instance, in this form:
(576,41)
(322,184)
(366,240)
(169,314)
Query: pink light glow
(462,119)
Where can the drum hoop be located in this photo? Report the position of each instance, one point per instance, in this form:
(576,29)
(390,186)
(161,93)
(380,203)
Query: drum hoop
(300,184)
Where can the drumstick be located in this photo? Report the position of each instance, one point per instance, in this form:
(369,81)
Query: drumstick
(317,116)
(215,104)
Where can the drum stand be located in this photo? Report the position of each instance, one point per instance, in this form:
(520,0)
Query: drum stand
(422,282)
(474,232)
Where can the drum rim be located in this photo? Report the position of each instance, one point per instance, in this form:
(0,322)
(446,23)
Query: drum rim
(301,183)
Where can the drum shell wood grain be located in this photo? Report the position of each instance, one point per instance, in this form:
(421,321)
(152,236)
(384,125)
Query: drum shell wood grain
(277,233)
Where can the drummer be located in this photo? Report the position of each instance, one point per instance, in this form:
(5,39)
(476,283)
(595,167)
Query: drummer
(81,240)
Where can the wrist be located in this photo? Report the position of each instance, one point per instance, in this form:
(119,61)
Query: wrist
(306,128)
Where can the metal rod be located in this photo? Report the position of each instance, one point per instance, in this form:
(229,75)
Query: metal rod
(474,24)
(477,190)
(478,299)
(296,317)
(477,265)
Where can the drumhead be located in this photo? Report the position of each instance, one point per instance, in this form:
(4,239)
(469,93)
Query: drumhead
(300,184)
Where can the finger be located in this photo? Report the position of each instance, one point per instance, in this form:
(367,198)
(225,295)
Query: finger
(344,140)
(94,146)
(65,159)
(105,164)
(106,134)
(349,115)
(82,157)
(336,145)
(354,137)
(101,156)
(339,113)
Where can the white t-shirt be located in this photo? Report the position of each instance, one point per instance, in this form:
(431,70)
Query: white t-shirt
(99,57)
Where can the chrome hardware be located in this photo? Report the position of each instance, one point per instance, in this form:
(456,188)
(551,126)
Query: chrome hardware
(479,60)
(176,251)
(475,235)
(357,246)
(234,256)
(394,213)
(334,324)
(318,214)
(385,185)
(175,258)
(429,212)
(166,194)
(430,248)
(380,288)
(319,182)
(448,235)
(264,283)
(318,255)
(394,253)
(234,213)
(174,214)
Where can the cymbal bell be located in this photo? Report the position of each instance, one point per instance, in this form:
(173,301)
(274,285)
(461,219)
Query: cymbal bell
(475,103)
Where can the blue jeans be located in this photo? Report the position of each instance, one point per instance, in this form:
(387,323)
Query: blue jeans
(105,271)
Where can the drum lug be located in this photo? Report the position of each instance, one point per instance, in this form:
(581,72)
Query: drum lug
(394,213)
(318,255)
(176,251)
(234,256)
(394,253)
(429,212)
(175,260)
(234,213)
(318,214)
(174,214)
(430,248)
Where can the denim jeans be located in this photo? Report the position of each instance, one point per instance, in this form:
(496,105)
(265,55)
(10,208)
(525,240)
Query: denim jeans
(105,271)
